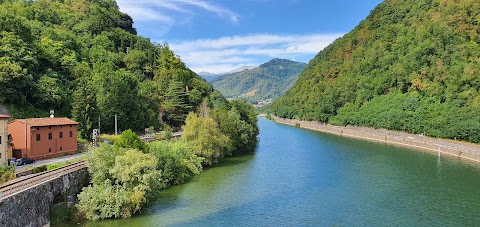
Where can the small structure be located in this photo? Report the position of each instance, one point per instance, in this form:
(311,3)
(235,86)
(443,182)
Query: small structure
(41,138)
(3,139)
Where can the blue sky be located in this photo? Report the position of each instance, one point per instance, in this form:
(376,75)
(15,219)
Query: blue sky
(220,35)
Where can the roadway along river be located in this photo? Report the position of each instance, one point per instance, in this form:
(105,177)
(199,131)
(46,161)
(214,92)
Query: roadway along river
(298,177)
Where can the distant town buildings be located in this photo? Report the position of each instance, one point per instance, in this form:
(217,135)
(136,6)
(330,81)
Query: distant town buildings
(262,103)
(40,138)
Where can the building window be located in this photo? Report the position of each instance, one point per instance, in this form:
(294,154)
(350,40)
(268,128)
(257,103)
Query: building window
(49,135)
(60,134)
(49,127)
(61,148)
(49,150)
(38,137)
(71,134)
(0,141)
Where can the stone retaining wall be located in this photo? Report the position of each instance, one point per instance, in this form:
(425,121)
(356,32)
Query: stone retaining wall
(441,146)
(31,207)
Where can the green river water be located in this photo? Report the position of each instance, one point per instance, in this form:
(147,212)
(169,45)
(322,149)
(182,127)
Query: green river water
(298,177)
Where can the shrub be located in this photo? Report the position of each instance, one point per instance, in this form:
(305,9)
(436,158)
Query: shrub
(39,169)
(6,173)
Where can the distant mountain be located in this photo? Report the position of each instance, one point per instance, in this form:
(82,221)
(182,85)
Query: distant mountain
(239,69)
(269,80)
(410,65)
(208,76)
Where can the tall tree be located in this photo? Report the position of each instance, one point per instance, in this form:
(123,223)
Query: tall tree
(175,105)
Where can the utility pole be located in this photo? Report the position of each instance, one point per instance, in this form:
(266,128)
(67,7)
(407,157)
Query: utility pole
(116,128)
(98,124)
(26,144)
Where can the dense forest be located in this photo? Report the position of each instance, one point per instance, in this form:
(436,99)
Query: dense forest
(410,65)
(84,60)
(269,80)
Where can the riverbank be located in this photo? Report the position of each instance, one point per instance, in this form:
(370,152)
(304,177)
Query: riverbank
(440,146)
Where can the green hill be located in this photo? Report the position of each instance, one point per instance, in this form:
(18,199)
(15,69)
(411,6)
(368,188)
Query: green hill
(269,80)
(84,60)
(410,65)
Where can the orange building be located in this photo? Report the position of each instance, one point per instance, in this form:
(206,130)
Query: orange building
(40,138)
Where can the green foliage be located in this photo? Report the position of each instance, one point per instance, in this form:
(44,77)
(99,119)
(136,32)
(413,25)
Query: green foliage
(168,132)
(209,142)
(61,213)
(175,104)
(111,138)
(122,180)
(55,165)
(84,59)
(410,65)
(269,117)
(177,161)
(39,169)
(130,140)
(242,134)
(269,80)
(7,173)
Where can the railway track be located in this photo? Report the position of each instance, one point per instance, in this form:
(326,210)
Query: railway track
(18,185)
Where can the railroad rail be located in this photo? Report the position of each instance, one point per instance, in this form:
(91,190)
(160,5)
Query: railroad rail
(18,185)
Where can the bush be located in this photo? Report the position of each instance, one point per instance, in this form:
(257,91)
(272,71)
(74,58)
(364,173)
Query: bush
(61,213)
(6,173)
(128,139)
(39,169)
(55,165)
(122,182)
(177,161)
(209,142)
(111,138)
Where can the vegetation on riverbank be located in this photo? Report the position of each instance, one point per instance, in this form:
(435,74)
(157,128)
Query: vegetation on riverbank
(410,65)
(127,175)
(85,60)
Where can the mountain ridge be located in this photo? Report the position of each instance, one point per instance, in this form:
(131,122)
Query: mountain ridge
(411,66)
(269,80)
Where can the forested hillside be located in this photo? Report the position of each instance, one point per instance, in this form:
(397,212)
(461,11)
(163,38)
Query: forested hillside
(269,80)
(410,65)
(83,59)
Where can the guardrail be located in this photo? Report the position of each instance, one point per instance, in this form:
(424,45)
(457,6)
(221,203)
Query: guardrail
(21,184)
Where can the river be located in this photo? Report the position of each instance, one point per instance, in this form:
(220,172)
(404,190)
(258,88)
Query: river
(298,177)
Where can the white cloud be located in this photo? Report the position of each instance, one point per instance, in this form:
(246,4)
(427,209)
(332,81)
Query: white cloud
(168,11)
(227,53)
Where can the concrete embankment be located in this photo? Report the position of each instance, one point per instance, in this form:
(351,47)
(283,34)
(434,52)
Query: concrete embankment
(440,146)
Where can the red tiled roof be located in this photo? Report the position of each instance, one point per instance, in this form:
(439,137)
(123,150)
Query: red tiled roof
(4,116)
(48,121)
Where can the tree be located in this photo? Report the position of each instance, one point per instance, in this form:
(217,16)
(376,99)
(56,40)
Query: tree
(175,103)
(122,183)
(84,107)
(130,140)
(210,143)
(177,161)
(242,135)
